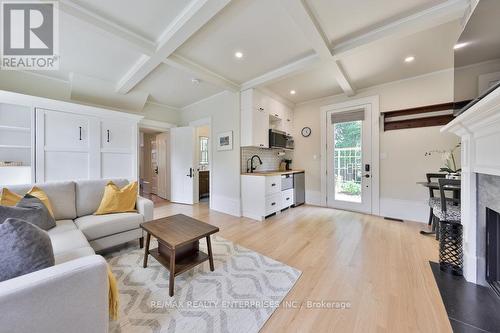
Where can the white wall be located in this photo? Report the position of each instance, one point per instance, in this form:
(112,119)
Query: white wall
(403,162)
(224,111)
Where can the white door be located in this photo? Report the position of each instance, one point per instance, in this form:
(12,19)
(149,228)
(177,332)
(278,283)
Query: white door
(182,162)
(349,159)
(154,167)
(163,177)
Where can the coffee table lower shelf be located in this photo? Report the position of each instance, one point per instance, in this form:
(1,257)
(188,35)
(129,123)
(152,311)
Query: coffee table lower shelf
(183,264)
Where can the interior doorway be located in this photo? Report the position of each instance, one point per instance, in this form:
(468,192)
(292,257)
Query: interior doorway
(202,160)
(203,152)
(154,164)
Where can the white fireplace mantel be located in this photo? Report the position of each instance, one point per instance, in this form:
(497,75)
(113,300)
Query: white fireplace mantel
(479,130)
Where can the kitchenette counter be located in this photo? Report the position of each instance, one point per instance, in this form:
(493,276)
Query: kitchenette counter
(271,173)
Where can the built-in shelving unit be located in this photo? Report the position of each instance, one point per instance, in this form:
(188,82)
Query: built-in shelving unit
(16,142)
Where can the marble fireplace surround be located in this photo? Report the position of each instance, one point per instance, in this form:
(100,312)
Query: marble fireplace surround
(479,130)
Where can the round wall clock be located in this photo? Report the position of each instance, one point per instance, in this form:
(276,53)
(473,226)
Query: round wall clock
(306,131)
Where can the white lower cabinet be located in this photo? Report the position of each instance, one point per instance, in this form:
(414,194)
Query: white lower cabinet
(273,203)
(286,199)
(262,196)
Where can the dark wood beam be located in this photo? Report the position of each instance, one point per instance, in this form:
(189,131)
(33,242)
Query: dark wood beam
(421,119)
(425,109)
(421,122)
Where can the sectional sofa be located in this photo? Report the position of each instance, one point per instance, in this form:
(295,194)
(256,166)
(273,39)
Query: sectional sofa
(71,296)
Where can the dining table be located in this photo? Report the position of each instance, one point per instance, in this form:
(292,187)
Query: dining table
(456,189)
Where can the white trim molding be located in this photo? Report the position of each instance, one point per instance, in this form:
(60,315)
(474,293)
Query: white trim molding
(479,129)
(155,125)
(52,104)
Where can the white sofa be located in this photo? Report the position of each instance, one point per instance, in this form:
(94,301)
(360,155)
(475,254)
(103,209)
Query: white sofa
(71,296)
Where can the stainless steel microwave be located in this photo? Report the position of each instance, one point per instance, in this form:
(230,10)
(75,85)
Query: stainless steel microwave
(279,139)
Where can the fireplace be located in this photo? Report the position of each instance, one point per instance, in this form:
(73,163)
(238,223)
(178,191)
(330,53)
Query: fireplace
(493,249)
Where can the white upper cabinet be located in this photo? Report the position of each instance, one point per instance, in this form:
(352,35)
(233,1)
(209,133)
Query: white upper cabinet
(259,113)
(288,120)
(276,110)
(254,119)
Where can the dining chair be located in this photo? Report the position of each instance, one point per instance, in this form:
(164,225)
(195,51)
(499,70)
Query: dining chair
(449,209)
(433,200)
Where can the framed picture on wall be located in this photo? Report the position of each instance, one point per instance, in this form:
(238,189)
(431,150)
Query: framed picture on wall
(225,141)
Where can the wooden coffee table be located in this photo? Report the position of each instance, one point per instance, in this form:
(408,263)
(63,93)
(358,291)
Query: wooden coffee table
(178,238)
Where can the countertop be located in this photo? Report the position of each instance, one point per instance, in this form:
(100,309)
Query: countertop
(271,173)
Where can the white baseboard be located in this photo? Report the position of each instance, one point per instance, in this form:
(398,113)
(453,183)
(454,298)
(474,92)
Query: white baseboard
(470,267)
(226,205)
(409,210)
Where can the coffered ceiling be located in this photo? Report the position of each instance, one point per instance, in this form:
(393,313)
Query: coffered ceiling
(178,52)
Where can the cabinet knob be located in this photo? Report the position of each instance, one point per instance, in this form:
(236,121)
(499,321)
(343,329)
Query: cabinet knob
(287,198)
(273,204)
(273,184)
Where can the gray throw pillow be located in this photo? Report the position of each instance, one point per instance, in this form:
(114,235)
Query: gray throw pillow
(25,248)
(29,209)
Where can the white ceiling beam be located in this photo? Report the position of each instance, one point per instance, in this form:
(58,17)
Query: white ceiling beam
(282,72)
(341,78)
(135,40)
(307,23)
(192,18)
(200,72)
(426,19)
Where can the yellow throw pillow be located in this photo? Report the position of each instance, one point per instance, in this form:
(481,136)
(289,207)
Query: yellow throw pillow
(116,200)
(9,198)
(40,194)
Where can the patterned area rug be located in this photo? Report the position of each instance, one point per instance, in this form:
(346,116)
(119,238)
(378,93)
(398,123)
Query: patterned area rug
(239,296)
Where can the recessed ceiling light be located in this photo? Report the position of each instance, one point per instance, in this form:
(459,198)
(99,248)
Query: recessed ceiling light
(459,45)
(292,92)
(238,54)
(195,81)
(409,59)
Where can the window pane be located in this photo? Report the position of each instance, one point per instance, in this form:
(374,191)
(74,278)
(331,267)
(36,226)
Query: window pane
(347,161)
(203,150)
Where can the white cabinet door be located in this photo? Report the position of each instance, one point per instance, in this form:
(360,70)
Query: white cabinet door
(260,133)
(63,146)
(276,109)
(260,101)
(254,119)
(288,121)
(65,130)
(117,134)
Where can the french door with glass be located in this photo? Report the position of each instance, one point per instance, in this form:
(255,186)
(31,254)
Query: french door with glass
(349,158)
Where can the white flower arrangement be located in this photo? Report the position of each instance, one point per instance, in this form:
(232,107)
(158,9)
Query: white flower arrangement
(448,158)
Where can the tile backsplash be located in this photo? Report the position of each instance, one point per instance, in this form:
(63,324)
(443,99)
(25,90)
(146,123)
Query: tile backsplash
(270,158)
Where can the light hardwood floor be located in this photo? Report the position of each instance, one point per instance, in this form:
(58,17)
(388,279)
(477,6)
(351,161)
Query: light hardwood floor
(381,267)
